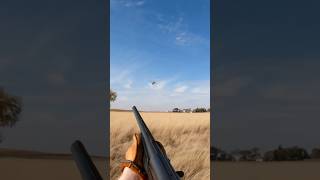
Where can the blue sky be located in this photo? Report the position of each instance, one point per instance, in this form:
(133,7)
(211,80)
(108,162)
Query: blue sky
(162,41)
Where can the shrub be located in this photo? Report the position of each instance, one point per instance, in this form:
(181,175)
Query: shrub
(176,110)
(200,110)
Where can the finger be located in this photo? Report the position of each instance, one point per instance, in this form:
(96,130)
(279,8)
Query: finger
(180,173)
(161,147)
(132,150)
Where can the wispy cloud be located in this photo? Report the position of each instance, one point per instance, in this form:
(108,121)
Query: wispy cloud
(122,75)
(123,98)
(140,3)
(170,26)
(128,85)
(201,88)
(119,77)
(128,3)
(178,30)
(181,89)
(134,3)
(182,38)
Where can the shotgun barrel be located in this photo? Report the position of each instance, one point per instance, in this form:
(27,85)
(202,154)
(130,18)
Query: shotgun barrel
(87,169)
(156,163)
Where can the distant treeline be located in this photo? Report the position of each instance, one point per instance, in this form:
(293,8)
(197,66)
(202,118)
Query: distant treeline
(294,153)
(189,110)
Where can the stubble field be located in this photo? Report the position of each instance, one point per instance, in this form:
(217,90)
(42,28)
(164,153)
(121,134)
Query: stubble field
(54,168)
(185,136)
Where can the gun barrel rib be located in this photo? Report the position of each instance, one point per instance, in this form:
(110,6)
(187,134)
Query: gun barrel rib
(158,161)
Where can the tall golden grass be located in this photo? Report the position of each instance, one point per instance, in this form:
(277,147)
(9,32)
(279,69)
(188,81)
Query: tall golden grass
(185,136)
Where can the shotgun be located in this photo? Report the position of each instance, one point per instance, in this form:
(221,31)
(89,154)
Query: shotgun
(87,169)
(156,163)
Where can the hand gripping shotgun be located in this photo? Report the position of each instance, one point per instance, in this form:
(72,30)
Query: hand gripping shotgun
(156,163)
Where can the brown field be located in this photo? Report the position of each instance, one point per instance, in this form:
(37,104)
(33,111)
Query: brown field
(299,170)
(41,168)
(185,136)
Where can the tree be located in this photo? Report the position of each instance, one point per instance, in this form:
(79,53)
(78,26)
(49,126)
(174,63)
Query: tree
(10,108)
(213,153)
(217,154)
(113,95)
(294,153)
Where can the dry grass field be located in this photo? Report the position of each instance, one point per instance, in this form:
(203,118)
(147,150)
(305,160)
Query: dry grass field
(299,170)
(185,136)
